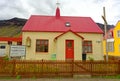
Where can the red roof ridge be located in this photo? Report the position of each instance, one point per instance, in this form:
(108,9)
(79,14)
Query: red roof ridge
(60,16)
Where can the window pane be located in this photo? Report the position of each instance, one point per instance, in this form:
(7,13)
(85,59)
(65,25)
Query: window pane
(46,42)
(41,45)
(2,47)
(19,43)
(89,43)
(46,49)
(110,46)
(85,43)
(89,49)
(42,42)
(9,42)
(38,42)
(69,44)
(87,46)
(118,33)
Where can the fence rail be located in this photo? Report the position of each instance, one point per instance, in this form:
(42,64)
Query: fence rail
(45,68)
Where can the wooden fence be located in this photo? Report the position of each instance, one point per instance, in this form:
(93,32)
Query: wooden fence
(43,68)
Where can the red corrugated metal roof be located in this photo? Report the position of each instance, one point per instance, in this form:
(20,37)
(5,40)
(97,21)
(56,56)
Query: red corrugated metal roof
(11,39)
(38,23)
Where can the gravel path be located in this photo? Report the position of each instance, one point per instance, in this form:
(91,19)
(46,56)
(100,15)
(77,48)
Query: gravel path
(62,79)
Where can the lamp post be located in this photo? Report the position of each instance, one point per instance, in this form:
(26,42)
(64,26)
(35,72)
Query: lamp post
(105,28)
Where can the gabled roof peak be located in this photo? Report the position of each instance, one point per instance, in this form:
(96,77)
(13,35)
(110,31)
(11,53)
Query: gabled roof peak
(71,32)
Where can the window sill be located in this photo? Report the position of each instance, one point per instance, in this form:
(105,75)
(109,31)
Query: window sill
(89,53)
(41,52)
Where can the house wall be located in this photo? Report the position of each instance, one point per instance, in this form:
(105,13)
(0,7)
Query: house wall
(7,47)
(31,54)
(116,51)
(61,46)
(104,47)
(97,47)
(116,41)
(114,55)
(110,53)
(6,50)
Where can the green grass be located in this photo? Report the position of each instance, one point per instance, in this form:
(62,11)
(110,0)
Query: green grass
(10,31)
(108,77)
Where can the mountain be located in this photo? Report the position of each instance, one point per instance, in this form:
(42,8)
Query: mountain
(14,21)
(12,27)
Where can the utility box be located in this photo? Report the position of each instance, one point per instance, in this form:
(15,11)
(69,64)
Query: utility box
(83,56)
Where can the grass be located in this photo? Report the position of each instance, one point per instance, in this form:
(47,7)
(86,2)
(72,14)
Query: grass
(10,31)
(108,77)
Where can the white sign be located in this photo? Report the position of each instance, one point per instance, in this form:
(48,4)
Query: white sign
(17,50)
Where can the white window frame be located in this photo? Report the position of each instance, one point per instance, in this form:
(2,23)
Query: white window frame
(110,46)
(118,33)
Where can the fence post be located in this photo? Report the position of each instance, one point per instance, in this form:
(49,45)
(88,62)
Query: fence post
(42,68)
(72,67)
(13,71)
(119,67)
(91,63)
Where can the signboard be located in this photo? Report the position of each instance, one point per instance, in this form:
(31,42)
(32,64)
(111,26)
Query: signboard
(53,56)
(16,50)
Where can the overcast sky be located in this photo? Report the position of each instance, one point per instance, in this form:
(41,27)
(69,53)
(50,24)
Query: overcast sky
(85,8)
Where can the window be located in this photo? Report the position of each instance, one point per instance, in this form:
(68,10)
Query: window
(69,44)
(110,46)
(67,24)
(9,42)
(110,35)
(118,33)
(19,43)
(2,47)
(119,47)
(2,50)
(87,46)
(41,45)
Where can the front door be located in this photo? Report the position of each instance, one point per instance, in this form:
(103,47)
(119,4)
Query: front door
(69,49)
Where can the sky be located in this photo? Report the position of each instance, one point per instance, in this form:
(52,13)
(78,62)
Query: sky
(81,8)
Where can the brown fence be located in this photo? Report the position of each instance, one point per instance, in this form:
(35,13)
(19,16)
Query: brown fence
(25,68)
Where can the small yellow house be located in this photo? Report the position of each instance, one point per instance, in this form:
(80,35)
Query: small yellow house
(62,38)
(113,43)
(5,43)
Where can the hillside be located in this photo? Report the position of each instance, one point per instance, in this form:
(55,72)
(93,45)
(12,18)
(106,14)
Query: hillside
(13,27)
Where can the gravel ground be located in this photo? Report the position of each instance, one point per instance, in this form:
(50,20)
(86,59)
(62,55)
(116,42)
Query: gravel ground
(62,79)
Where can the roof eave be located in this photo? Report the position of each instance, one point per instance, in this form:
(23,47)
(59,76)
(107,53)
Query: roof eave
(69,31)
